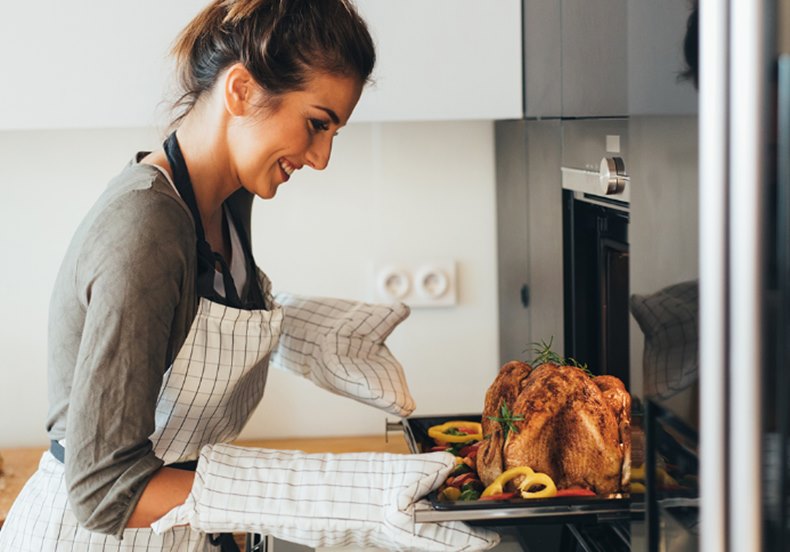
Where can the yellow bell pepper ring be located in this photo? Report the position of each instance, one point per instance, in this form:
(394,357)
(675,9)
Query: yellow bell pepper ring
(548,490)
(437,432)
(498,486)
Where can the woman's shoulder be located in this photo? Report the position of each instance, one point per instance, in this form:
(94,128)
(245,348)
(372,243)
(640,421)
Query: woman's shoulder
(139,210)
(141,197)
(145,184)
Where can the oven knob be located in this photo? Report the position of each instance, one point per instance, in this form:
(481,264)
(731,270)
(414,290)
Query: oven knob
(612,176)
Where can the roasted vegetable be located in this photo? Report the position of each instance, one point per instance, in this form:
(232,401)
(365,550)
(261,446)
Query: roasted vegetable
(531,479)
(498,486)
(456,432)
(537,479)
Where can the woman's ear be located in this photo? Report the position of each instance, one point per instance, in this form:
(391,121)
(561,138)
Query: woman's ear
(239,89)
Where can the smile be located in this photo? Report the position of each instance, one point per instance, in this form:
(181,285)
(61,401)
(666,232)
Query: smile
(287,168)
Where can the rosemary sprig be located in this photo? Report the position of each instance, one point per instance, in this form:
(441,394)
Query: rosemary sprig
(506,419)
(544,355)
(581,366)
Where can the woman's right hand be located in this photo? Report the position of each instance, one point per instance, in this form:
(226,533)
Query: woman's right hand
(367,499)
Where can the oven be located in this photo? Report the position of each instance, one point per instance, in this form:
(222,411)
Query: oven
(595,273)
(564,212)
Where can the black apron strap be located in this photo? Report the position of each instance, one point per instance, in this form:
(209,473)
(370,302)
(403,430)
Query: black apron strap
(225,541)
(189,465)
(207,259)
(57,450)
(255,297)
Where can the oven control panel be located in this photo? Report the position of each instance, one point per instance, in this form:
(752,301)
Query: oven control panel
(610,182)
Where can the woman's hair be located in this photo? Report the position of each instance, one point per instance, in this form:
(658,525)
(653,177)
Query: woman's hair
(691,47)
(280,42)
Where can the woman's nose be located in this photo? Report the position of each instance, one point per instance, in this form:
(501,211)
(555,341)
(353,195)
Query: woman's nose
(318,154)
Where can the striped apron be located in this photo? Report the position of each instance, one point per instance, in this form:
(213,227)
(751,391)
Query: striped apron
(207,395)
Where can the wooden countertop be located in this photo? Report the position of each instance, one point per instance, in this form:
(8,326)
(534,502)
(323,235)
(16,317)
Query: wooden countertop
(367,443)
(20,463)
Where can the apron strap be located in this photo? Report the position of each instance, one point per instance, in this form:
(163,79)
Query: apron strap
(57,450)
(207,258)
(225,541)
(256,299)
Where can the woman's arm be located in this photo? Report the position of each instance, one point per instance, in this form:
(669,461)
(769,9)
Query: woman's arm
(168,488)
(131,269)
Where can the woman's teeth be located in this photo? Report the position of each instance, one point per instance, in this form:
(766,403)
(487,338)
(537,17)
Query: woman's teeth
(287,167)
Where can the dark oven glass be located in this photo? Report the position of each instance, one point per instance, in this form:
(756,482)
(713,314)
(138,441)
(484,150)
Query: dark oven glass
(595,243)
(672,472)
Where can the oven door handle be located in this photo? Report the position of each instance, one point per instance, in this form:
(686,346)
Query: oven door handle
(390,426)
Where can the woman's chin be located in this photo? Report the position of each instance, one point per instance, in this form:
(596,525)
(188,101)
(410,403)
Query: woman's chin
(265,192)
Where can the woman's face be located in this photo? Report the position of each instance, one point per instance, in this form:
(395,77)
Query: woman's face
(270,144)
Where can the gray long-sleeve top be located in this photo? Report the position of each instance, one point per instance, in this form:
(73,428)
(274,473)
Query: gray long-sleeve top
(123,303)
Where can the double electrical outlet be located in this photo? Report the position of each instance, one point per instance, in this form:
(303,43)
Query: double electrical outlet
(418,284)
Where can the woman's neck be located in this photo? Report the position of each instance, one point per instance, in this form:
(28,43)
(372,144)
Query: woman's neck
(205,151)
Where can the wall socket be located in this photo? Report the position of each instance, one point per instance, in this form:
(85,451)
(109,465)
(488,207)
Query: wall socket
(418,284)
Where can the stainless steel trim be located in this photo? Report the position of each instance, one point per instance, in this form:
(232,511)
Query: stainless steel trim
(713,273)
(426,514)
(589,182)
(747,78)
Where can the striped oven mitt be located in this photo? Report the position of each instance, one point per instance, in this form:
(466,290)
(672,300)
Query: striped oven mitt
(339,346)
(363,499)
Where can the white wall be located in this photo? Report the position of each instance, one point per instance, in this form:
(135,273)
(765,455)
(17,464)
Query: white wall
(394,191)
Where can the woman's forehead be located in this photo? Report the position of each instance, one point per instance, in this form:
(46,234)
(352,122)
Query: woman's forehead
(336,95)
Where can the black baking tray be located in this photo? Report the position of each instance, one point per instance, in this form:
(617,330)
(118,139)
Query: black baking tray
(500,512)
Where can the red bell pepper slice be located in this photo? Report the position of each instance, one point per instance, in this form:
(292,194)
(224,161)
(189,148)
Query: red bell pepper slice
(467,430)
(469,450)
(461,479)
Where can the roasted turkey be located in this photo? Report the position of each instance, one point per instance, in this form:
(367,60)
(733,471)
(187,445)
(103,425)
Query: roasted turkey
(562,422)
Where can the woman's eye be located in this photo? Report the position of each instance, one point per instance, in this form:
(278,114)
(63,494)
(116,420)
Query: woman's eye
(319,125)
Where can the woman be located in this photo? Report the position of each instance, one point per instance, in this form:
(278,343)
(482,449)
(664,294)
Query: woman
(162,328)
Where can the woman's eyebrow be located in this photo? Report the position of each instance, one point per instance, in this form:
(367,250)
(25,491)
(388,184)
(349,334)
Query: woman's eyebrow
(332,114)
